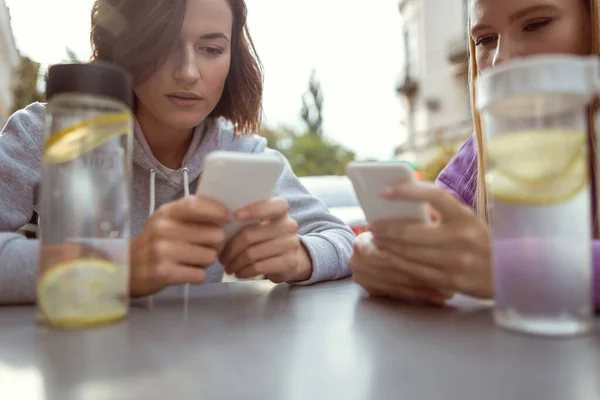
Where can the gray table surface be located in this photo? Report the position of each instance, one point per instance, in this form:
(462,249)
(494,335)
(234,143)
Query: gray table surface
(256,340)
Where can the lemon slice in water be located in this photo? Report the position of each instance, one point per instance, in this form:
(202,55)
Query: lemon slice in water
(81,293)
(509,190)
(536,156)
(72,142)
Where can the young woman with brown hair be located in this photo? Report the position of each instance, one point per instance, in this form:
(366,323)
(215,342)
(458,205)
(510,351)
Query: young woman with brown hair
(198,88)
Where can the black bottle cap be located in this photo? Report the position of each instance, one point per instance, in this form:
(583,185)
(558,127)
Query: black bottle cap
(99,78)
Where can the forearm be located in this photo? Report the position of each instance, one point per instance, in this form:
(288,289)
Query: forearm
(18,269)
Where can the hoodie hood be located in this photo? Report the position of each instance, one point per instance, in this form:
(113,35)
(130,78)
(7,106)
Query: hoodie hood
(155,185)
(204,141)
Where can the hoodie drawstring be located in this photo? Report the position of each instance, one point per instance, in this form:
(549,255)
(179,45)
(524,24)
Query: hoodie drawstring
(186,188)
(152,191)
(152,207)
(186,182)
(150,212)
(186,192)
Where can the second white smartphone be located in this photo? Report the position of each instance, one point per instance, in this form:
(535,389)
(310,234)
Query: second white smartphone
(237,179)
(370,179)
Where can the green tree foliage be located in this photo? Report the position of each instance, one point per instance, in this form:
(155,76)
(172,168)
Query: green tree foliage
(309,152)
(314,155)
(431,170)
(312,107)
(25,89)
(72,57)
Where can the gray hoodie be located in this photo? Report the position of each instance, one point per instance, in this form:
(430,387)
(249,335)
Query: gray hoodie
(327,239)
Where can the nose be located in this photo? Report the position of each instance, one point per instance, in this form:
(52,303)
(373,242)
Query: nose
(505,50)
(508,49)
(188,70)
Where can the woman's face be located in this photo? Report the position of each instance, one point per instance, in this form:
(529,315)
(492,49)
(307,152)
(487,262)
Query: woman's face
(188,86)
(506,29)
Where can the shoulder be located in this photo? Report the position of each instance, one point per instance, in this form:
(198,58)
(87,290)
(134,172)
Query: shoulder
(459,177)
(228,140)
(26,126)
(31,116)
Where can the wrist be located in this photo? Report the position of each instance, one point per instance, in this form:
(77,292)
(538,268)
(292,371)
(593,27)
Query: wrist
(305,264)
(138,273)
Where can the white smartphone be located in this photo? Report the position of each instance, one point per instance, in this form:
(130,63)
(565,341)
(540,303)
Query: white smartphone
(237,179)
(370,179)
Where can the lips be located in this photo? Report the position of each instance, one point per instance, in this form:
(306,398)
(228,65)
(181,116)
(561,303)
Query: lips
(184,99)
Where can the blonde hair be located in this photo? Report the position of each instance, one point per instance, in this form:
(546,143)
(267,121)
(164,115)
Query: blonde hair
(480,192)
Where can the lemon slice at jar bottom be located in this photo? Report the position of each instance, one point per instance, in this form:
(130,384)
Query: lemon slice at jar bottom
(78,139)
(82,293)
(508,190)
(536,156)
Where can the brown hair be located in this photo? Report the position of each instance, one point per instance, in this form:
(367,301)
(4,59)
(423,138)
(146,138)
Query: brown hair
(481,202)
(138,36)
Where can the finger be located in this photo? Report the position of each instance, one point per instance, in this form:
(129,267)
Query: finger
(395,276)
(405,232)
(428,275)
(379,266)
(358,262)
(365,255)
(193,233)
(271,209)
(436,258)
(447,205)
(182,274)
(263,251)
(405,293)
(462,271)
(434,215)
(365,249)
(256,234)
(197,209)
(277,269)
(185,253)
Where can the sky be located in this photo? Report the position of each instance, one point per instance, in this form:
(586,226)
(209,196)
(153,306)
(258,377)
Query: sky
(355,47)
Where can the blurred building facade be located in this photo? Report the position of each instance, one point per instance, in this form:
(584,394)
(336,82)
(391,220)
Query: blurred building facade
(9,60)
(433,85)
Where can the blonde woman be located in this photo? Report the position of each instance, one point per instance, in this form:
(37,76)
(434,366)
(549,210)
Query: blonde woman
(428,264)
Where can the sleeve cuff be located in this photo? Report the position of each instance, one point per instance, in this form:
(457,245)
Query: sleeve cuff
(18,275)
(326,262)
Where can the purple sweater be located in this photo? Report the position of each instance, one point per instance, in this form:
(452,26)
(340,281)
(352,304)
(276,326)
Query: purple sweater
(460,179)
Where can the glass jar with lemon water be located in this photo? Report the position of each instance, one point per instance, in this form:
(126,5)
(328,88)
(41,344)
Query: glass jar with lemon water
(535,124)
(85,196)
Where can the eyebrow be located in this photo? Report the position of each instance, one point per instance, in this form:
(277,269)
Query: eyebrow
(518,15)
(529,10)
(216,35)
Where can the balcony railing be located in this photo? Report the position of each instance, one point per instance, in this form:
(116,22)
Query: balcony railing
(402,4)
(408,87)
(459,131)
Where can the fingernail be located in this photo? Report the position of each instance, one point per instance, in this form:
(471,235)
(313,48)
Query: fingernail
(381,255)
(439,300)
(388,191)
(243,214)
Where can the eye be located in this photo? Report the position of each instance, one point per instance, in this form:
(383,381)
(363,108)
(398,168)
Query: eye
(486,40)
(212,51)
(536,25)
